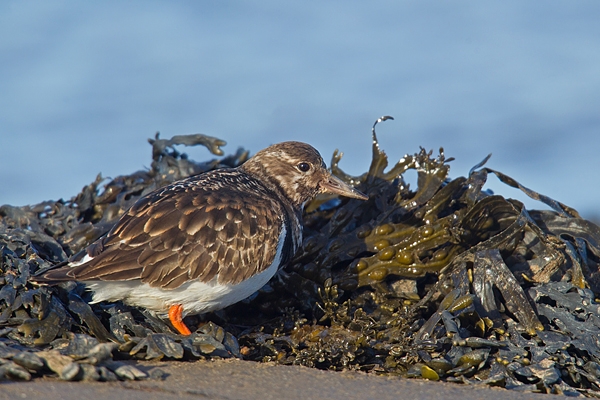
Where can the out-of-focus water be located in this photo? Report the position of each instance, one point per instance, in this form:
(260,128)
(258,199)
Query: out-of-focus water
(84,84)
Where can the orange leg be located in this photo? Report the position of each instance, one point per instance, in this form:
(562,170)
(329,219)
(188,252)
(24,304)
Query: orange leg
(177,320)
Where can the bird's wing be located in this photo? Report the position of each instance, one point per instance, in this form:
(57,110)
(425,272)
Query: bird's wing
(192,229)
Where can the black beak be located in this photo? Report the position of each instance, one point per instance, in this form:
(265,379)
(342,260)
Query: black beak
(333,184)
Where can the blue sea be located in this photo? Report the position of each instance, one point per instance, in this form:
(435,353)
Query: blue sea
(84,84)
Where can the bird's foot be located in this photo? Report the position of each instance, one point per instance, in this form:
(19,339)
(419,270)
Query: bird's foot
(176,318)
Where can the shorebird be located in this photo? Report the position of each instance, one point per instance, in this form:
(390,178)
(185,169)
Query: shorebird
(203,243)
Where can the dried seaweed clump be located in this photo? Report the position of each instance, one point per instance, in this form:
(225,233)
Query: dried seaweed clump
(53,330)
(445,282)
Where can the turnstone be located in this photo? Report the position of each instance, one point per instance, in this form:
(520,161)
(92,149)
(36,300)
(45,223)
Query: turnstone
(208,241)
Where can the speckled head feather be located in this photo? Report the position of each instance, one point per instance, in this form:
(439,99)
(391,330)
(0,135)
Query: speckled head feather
(278,166)
(220,228)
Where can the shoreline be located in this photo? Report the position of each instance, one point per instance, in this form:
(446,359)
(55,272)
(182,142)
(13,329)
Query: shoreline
(237,379)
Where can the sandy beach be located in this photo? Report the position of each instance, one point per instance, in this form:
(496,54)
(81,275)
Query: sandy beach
(235,379)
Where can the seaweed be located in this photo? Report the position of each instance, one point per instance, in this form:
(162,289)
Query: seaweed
(444,282)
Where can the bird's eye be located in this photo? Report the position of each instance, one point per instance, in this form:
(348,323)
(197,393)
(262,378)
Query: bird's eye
(304,167)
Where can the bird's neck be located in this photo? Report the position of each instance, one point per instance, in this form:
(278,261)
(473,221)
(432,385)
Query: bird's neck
(272,182)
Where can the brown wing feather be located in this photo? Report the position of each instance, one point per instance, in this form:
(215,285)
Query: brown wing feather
(193,229)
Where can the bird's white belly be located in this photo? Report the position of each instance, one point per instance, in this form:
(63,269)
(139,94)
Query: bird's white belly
(196,297)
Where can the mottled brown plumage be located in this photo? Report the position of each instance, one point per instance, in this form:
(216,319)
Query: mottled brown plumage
(220,228)
(199,228)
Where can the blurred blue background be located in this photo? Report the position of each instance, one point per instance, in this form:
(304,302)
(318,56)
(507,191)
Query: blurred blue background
(84,84)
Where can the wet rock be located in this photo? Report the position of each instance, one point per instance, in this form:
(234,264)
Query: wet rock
(13,370)
(64,366)
(29,361)
(125,371)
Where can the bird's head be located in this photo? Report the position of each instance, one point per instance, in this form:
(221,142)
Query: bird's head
(298,170)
